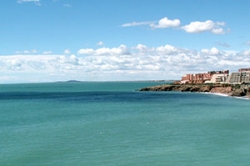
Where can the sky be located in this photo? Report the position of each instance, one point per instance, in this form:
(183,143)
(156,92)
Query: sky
(121,40)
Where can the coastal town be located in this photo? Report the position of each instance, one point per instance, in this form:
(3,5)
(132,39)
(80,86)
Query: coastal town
(220,82)
(222,77)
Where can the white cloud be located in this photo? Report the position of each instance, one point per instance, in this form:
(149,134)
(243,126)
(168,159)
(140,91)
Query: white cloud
(212,51)
(218,31)
(47,52)
(86,51)
(34,51)
(167,49)
(246,52)
(141,48)
(210,26)
(120,63)
(122,49)
(68,60)
(162,23)
(37,2)
(166,23)
(14,64)
(136,24)
(192,27)
(100,43)
(67,51)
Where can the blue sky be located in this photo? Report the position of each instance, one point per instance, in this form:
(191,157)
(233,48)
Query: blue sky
(112,40)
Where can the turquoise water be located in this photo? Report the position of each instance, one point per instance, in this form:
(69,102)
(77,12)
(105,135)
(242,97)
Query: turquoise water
(110,124)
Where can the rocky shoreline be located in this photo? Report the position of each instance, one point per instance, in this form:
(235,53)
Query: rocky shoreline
(230,90)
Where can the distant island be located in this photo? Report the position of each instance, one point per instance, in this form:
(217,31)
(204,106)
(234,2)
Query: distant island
(69,81)
(73,81)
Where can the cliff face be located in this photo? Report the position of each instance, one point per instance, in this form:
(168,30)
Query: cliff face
(230,90)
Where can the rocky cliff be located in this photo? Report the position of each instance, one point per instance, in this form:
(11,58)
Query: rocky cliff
(231,90)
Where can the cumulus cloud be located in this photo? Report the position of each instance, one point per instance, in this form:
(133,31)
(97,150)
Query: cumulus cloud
(121,63)
(67,51)
(209,26)
(212,51)
(68,59)
(166,23)
(14,64)
(162,23)
(192,27)
(167,49)
(86,51)
(246,53)
(141,48)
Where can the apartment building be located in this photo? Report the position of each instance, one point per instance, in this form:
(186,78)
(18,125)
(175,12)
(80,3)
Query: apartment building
(205,77)
(240,77)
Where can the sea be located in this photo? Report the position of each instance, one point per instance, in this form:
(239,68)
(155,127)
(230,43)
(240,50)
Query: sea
(114,124)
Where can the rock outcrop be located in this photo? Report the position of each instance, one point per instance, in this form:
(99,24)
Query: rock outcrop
(231,90)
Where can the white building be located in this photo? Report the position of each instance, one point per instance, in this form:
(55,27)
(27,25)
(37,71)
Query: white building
(218,78)
(239,77)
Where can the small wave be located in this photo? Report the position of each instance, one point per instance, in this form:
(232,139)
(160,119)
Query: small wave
(226,95)
(243,97)
(221,94)
(217,94)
